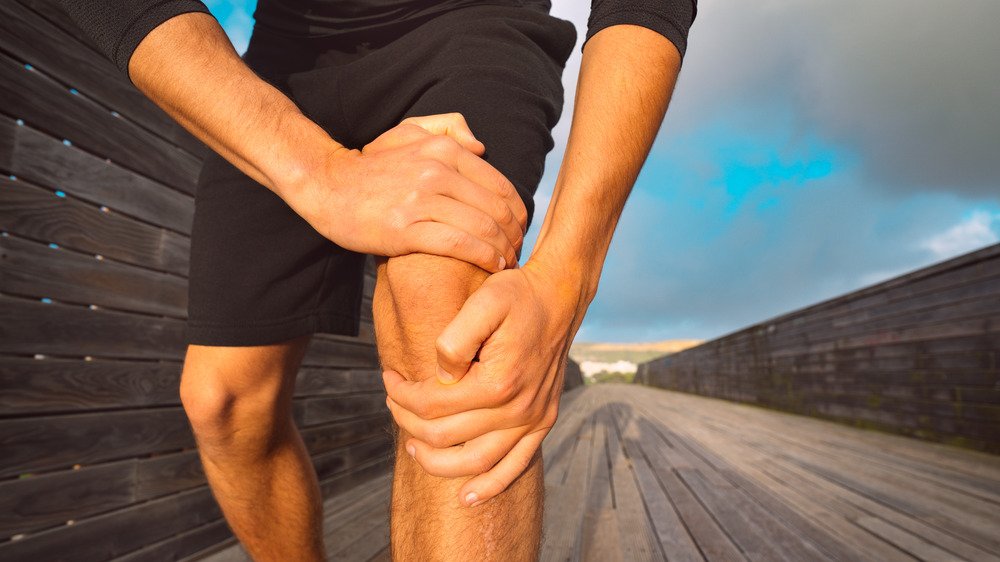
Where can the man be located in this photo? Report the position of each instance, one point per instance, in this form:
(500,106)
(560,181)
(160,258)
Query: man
(415,131)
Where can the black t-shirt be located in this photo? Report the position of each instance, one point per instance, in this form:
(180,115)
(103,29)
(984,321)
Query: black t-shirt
(117,26)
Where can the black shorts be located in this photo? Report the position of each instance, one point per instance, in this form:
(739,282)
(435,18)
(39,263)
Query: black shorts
(259,273)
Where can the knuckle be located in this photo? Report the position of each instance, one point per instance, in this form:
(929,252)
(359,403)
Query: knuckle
(447,350)
(457,116)
(397,218)
(489,228)
(479,461)
(440,145)
(430,171)
(502,389)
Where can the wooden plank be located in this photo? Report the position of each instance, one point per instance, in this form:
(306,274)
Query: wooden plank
(40,214)
(916,546)
(735,473)
(672,535)
(183,544)
(802,507)
(770,432)
(34,503)
(46,105)
(325,351)
(312,411)
(29,37)
(562,527)
(34,269)
(118,532)
(599,533)
(343,481)
(33,386)
(855,506)
(370,544)
(331,436)
(346,458)
(51,442)
(313,381)
(33,327)
(43,159)
(363,531)
(65,385)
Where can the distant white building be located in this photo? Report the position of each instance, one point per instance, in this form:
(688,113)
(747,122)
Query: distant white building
(591,368)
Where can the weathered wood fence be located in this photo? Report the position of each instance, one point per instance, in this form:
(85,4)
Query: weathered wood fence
(918,355)
(98,460)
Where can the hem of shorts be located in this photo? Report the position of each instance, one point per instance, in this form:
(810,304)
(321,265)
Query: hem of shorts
(325,322)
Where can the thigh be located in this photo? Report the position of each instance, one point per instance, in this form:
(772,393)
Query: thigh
(499,66)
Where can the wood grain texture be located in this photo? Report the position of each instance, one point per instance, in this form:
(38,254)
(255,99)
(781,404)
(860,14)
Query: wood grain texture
(918,355)
(96,204)
(661,475)
(40,214)
(44,160)
(44,103)
(31,38)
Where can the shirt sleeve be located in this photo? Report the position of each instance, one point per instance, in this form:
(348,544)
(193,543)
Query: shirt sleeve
(670,18)
(118,26)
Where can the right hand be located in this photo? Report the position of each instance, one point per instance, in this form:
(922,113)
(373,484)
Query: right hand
(419,187)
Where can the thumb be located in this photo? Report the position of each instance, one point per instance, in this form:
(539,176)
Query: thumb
(458,344)
(452,125)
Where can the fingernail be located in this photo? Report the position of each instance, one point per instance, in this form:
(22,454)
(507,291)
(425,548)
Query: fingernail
(411,450)
(471,498)
(503,263)
(445,377)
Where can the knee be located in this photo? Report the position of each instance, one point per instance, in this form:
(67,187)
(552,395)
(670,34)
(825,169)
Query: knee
(223,413)
(416,295)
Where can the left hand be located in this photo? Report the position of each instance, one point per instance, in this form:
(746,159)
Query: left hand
(491,421)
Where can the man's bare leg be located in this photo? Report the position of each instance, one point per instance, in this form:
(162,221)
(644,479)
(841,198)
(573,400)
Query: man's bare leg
(238,400)
(415,297)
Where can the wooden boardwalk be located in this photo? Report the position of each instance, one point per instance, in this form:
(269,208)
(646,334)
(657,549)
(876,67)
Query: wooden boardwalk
(638,473)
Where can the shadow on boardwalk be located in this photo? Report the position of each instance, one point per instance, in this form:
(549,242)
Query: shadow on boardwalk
(638,473)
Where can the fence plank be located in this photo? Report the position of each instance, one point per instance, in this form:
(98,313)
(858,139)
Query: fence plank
(44,103)
(38,213)
(33,39)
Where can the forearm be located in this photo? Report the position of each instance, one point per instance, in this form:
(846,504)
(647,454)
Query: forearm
(189,68)
(626,79)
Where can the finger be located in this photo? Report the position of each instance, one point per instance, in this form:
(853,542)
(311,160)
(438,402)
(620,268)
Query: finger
(443,209)
(497,479)
(475,195)
(452,125)
(483,173)
(460,341)
(473,457)
(447,431)
(430,399)
(440,239)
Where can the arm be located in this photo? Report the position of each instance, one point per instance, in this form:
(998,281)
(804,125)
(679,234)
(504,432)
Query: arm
(522,322)
(627,76)
(396,196)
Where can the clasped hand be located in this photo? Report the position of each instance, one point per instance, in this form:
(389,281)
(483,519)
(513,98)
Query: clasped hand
(492,416)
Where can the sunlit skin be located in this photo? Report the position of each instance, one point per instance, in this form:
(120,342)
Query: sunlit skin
(520,320)
(491,422)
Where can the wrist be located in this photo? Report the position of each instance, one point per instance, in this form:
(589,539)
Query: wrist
(574,282)
(304,155)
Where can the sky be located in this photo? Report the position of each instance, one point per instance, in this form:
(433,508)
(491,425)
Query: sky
(812,147)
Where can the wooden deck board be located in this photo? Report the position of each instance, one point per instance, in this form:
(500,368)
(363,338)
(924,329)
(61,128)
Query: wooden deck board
(638,473)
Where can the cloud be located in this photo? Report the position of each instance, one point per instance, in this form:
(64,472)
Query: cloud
(974,232)
(910,87)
